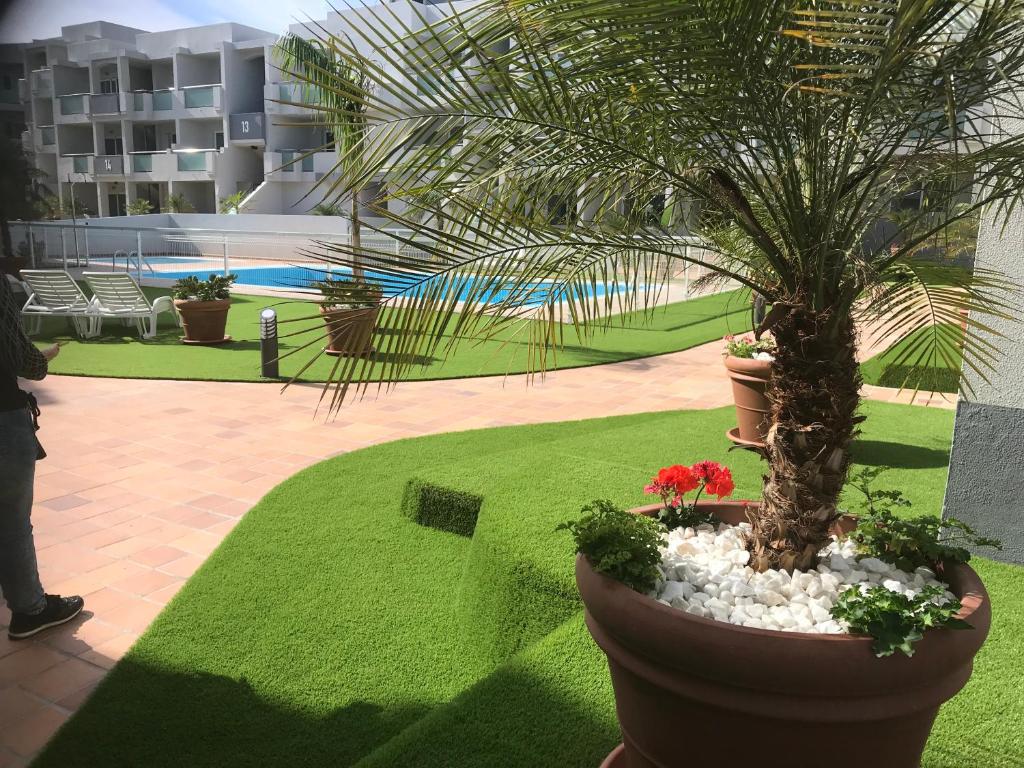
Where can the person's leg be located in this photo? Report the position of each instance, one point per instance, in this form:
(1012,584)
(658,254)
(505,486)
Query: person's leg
(19,576)
(32,611)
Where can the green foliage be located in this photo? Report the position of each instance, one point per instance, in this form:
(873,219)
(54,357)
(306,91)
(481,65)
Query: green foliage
(684,516)
(326,209)
(213,288)
(748,346)
(908,543)
(618,544)
(178,203)
(894,620)
(443,508)
(231,203)
(344,293)
(139,207)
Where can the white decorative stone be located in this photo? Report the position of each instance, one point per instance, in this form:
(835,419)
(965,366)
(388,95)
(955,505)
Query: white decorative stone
(707,573)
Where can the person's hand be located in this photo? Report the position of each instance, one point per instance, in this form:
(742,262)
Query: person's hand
(51,352)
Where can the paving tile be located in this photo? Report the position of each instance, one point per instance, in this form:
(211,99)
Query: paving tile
(16,704)
(63,679)
(26,736)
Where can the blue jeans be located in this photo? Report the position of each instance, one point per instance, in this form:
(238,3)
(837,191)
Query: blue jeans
(19,575)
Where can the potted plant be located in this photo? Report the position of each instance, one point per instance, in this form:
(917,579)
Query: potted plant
(349,308)
(779,134)
(749,363)
(695,635)
(203,306)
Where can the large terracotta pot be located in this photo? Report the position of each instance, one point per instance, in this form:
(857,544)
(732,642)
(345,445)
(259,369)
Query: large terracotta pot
(749,382)
(350,331)
(691,691)
(203,321)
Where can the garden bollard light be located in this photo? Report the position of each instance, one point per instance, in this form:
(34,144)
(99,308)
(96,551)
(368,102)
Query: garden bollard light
(268,343)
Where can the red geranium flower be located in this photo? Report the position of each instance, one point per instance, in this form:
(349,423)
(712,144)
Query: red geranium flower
(672,481)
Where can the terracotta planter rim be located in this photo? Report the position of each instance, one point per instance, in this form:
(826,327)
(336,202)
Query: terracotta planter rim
(760,368)
(199,306)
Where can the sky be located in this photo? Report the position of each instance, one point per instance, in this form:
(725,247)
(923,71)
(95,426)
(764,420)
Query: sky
(24,20)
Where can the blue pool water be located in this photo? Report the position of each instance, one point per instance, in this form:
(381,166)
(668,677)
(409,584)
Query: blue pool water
(299,278)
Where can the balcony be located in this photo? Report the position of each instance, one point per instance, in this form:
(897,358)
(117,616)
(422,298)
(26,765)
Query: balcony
(201,96)
(163,100)
(298,164)
(74,104)
(247,127)
(105,104)
(142,163)
(108,165)
(198,163)
(297,93)
(41,83)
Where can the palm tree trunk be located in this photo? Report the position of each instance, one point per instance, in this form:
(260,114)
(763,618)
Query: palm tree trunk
(814,394)
(357,242)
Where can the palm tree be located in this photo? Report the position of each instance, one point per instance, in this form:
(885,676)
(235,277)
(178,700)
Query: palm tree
(780,132)
(335,88)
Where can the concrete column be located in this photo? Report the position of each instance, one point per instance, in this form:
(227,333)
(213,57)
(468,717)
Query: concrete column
(986,468)
(101,199)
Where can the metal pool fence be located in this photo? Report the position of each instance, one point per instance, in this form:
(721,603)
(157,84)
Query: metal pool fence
(270,260)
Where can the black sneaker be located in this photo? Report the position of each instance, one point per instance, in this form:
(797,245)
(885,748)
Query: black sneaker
(58,610)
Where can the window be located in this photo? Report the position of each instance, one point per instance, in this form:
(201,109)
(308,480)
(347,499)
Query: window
(109,85)
(113,146)
(8,85)
(218,139)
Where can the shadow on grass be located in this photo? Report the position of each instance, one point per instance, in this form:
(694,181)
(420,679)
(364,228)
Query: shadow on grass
(877,453)
(142,715)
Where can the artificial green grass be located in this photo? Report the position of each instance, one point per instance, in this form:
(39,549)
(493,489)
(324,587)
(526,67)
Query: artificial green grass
(882,370)
(120,353)
(329,629)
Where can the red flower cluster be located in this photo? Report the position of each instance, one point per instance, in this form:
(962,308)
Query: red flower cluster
(671,483)
(717,479)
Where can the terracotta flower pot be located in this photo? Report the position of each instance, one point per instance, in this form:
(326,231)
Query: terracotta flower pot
(203,321)
(350,331)
(691,691)
(749,381)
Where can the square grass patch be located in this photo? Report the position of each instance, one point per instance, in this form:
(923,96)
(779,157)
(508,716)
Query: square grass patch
(445,509)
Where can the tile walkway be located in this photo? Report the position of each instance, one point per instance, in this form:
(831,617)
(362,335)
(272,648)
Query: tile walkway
(145,478)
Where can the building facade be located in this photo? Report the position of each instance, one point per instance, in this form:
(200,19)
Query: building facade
(117,114)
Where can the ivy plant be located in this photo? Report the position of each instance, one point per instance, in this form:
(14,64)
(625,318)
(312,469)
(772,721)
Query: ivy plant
(894,620)
(908,543)
(619,544)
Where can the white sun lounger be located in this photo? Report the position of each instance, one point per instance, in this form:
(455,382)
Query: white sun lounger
(117,295)
(54,293)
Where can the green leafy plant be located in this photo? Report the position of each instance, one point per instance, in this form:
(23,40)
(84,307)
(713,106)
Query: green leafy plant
(747,346)
(178,203)
(908,543)
(618,544)
(140,206)
(342,293)
(213,288)
(231,203)
(894,620)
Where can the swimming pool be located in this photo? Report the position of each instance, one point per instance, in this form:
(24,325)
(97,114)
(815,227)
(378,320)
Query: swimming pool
(300,278)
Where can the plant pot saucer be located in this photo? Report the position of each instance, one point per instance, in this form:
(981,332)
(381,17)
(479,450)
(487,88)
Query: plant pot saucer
(193,342)
(616,758)
(339,353)
(734,435)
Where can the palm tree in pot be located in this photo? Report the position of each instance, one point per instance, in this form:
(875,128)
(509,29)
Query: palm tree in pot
(779,133)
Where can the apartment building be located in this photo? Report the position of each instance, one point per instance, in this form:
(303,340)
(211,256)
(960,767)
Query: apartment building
(119,114)
(12,113)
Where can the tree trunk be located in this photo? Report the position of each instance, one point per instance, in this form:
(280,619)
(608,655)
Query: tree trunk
(356,238)
(814,394)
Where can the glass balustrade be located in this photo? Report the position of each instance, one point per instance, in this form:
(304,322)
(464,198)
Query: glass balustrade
(199,97)
(162,101)
(80,164)
(47,135)
(72,105)
(192,161)
(142,163)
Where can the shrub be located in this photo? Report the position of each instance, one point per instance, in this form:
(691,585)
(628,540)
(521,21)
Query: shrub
(346,293)
(446,509)
(213,288)
(925,541)
(618,544)
(140,206)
